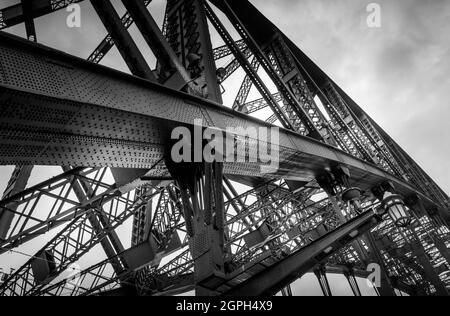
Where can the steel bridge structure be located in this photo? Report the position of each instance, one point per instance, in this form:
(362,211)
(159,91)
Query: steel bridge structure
(194,226)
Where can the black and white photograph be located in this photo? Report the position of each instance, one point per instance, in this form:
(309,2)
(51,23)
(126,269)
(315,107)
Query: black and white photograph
(224,155)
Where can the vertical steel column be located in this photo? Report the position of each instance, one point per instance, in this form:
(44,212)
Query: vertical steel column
(188,35)
(321,275)
(16,184)
(350,276)
(27,8)
(201,189)
(127,47)
(201,184)
(209,271)
(212,80)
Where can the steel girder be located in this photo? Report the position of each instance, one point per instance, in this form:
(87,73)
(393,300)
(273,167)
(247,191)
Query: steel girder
(79,130)
(250,71)
(122,115)
(189,37)
(275,277)
(273,206)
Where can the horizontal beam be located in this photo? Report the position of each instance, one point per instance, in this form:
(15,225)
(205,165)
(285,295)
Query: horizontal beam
(76,113)
(286,271)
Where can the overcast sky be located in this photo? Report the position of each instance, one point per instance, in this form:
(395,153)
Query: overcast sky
(398,73)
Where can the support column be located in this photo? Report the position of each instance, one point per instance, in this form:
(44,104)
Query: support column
(188,35)
(202,195)
(323,280)
(201,184)
(349,274)
(29,20)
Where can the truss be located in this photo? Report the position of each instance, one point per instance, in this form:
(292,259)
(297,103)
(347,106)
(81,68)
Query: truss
(216,228)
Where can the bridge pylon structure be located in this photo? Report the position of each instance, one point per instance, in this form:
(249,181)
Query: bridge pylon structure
(345,197)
